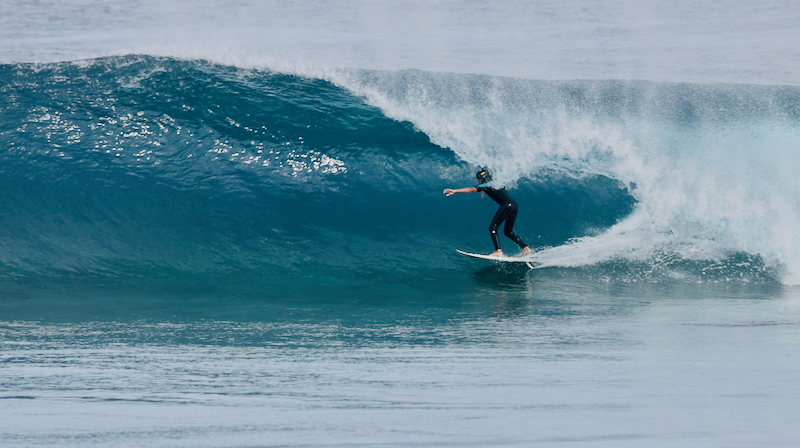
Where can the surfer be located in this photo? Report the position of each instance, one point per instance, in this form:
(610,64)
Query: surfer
(507,211)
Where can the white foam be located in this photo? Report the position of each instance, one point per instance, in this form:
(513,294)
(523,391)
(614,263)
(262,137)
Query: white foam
(702,189)
(707,187)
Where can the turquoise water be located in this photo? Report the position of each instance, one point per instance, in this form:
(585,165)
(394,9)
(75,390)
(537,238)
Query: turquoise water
(223,225)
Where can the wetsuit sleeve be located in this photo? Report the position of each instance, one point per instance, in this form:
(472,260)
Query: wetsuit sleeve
(480,188)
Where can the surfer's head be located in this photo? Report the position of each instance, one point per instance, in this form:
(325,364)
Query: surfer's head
(483,176)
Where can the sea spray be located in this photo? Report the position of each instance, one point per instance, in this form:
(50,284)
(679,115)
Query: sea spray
(710,166)
(208,169)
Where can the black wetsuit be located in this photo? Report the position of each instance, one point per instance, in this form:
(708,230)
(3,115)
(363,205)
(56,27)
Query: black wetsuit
(507,212)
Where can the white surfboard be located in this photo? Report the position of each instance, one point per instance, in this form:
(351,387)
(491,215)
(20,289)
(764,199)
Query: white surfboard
(531,264)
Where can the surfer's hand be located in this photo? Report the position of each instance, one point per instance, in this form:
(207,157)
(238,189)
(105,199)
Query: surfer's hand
(449,191)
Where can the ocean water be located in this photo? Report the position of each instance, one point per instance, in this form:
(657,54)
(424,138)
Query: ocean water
(222,223)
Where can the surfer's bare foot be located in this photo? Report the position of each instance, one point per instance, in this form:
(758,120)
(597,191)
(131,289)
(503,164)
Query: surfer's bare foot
(497,253)
(526,250)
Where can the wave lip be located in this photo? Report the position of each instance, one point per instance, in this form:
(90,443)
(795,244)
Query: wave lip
(710,166)
(148,164)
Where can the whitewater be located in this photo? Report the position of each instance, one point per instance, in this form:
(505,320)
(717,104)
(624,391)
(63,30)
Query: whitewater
(710,165)
(222,223)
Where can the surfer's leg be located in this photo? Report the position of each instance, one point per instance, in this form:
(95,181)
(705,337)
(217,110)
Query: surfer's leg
(496,221)
(508,229)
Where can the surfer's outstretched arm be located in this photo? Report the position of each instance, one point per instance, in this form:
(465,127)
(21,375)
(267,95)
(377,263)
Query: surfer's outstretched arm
(450,191)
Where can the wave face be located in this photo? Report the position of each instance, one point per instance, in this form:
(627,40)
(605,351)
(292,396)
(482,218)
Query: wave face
(710,167)
(190,173)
